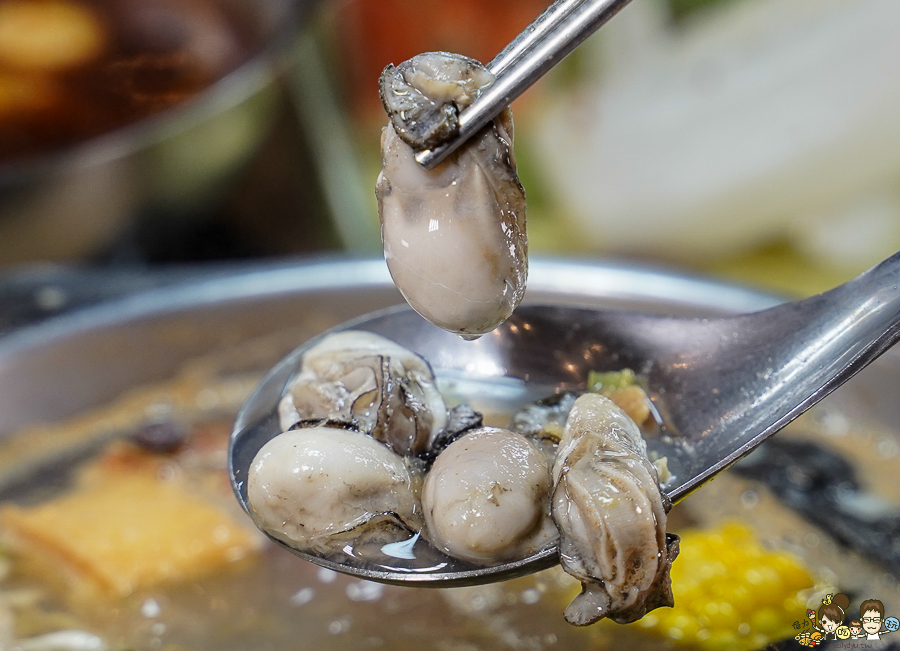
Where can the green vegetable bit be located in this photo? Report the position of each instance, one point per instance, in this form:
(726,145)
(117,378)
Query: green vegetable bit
(602,382)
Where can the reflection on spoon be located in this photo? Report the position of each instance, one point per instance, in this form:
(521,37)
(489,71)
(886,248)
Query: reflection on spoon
(402,549)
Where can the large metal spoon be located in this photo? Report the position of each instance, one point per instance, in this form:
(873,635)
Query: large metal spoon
(720,386)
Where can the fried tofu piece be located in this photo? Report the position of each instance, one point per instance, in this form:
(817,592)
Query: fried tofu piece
(121,532)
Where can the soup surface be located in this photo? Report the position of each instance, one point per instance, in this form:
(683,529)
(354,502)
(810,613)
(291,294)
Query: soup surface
(154,553)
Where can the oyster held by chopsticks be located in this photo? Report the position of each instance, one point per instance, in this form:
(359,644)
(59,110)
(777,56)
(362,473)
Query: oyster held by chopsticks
(454,237)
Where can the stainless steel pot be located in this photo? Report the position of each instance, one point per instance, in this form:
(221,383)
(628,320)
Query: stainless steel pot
(89,357)
(148,336)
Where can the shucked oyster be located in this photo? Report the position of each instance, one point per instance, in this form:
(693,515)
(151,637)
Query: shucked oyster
(486,498)
(454,237)
(423,96)
(380,387)
(610,514)
(490,495)
(319,488)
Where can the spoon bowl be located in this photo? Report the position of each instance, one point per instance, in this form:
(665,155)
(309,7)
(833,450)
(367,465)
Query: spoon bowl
(720,386)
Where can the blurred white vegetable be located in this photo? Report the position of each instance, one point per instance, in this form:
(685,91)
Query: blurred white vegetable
(763,119)
(61,641)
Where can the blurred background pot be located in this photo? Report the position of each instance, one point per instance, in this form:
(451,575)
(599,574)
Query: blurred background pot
(66,197)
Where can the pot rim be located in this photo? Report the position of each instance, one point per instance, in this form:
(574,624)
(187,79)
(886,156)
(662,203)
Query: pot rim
(567,279)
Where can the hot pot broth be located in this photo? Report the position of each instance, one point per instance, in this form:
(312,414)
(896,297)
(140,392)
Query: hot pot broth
(74,375)
(270,599)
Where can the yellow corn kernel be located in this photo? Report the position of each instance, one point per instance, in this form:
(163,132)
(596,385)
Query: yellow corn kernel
(730,592)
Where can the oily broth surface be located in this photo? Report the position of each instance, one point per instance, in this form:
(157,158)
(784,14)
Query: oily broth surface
(872,447)
(274,599)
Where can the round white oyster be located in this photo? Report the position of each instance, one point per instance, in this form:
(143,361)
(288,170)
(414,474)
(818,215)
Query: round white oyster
(486,498)
(318,488)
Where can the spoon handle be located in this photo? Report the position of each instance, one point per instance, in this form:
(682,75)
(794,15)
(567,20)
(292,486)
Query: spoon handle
(865,321)
(751,375)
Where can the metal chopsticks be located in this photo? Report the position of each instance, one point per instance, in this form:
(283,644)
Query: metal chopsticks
(552,36)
